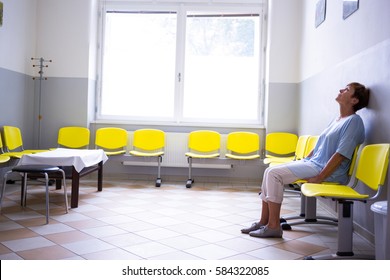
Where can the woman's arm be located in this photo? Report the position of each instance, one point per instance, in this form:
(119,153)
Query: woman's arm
(329,168)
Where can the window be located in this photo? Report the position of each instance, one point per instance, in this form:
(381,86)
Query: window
(184,64)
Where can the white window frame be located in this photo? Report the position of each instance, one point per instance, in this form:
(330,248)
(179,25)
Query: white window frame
(181,6)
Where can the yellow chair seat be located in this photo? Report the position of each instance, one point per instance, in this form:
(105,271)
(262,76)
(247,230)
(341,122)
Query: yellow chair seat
(331,190)
(242,157)
(195,155)
(4,158)
(279,160)
(14,154)
(21,153)
(115,153)
(34,151)
(146,154)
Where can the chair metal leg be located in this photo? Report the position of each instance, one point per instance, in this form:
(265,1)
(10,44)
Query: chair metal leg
(308,215)
(24,175)
(190,180)
(158,180)
(47,197)
(344,236)
(3,188)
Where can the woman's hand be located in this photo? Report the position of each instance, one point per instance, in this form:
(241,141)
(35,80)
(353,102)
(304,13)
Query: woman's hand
(330,167)
(315,180)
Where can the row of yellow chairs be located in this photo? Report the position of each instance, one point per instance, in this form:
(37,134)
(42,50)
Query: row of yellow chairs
(151,142)
(283,147)
(206,144)
(114,141)
(146,143)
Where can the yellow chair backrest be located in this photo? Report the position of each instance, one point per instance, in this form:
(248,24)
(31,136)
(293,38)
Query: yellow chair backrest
(73,137)
(281,143)
(301,147)
(1,145)
(373,165)
(353,161)
(111,138)
(310,145)
(12,138)
(243,142)
(204,141)
(149,139)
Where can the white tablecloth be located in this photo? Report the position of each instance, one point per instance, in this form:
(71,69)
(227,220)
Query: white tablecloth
(66,157)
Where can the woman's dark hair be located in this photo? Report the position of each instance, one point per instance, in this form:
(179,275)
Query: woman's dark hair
(362,94)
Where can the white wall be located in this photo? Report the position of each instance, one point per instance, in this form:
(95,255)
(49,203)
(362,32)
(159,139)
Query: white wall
(17,46)
(284,41)
(336,53)
(67,36)
(64,36)
(336,39)
(283,53)
(18,35)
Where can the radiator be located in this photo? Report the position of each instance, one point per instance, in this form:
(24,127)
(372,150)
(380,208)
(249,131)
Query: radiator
(176,145)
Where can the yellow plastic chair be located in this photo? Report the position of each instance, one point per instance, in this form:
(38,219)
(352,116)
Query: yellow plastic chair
(113,140)
(13,143)
(303,146)
(202,144)
(149,143)
(308,214)
(370,174)
(300,152)
(73,137)
(280,146)
(14,155)
(243,145)
(310,145)
(4,159)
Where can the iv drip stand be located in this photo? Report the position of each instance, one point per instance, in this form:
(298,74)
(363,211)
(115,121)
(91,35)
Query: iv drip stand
(41,65)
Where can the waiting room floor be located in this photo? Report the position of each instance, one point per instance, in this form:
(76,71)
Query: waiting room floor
(133,220)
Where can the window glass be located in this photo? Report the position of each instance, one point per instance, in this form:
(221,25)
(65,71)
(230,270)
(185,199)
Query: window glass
(139,65)
(181,65)
(222,67)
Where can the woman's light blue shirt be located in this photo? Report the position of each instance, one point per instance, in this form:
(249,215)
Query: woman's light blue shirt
(341,136)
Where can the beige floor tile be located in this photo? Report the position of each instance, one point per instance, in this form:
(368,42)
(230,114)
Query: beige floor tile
(149,249)
(28,243)
(211,252)
(15,234)
(88,246)
(113,254)
(300,247)
(135,220)
(68,237)
(46,253)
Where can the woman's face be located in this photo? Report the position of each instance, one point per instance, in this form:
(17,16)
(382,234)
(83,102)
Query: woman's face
(346,96)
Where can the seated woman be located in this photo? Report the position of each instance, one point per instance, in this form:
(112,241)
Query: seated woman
(329,161)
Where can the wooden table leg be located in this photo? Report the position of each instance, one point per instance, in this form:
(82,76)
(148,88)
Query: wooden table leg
(100,176)
(74,202)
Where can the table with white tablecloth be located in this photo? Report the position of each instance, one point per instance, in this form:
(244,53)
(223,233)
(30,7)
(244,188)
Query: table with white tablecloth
(80,161)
